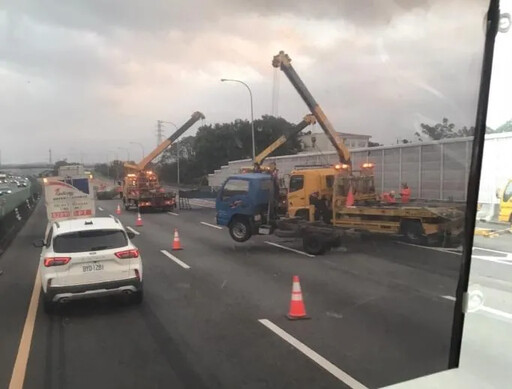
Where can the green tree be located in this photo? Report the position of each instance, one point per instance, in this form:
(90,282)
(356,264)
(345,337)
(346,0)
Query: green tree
(216,145)
(505,127)
(443,130)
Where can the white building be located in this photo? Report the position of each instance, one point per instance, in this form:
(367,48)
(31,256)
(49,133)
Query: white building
(318,141)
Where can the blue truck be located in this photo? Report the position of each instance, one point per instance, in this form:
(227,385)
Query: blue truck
(247,206)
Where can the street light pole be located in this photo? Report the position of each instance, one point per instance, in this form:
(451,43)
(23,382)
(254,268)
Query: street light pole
(141,147)
(177,152)
(252,113)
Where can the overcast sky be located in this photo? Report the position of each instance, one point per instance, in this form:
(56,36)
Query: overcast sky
(90,76)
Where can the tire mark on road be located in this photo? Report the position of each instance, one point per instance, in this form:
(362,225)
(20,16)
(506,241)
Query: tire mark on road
(48,365)
(62,354)
(170,349)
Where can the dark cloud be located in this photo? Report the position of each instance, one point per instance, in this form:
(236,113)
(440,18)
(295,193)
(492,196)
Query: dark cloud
(92,74)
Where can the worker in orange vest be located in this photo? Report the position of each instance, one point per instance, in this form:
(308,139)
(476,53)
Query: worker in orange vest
(389,198)
(405,193)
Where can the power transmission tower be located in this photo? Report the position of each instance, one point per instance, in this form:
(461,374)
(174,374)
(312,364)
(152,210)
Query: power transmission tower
(159,132)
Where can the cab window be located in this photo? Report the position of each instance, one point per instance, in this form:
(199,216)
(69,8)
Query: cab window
(507,194)
(329,181)
(235,187)
(296,183)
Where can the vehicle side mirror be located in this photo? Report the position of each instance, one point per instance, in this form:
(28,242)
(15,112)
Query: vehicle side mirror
(38,243)
(131,234)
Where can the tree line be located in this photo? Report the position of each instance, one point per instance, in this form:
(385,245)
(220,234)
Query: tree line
(214,145)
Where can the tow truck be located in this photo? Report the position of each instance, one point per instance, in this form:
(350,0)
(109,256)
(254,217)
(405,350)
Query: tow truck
(142,189)
(246,202)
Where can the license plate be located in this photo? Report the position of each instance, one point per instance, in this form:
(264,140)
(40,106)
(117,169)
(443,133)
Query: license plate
(92,267)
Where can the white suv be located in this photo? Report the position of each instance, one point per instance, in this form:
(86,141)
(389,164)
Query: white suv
(85,258)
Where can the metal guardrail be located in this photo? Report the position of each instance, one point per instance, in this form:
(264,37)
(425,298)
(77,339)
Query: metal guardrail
(11,201)
(202,193)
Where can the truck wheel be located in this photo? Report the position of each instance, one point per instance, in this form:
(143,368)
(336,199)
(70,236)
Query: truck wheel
(314,244)
(240,230)
(336,242)
(303,214)
(413,231)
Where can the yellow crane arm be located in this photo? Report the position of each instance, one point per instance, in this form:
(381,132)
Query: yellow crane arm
(283,62)
(308,120)
(166,143)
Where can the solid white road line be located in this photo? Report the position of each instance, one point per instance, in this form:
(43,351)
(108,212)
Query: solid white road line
(178,261)
(492,251)
(324,363)
(20,366)
(290,249)
(503,261)
(483,308)
(101,209)
(132,230)
(496,312)
(430,248)
(211,225)
(173,213)
(112,216)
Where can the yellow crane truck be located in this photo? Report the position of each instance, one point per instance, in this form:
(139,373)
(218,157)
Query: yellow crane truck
(141,188)
(245,201)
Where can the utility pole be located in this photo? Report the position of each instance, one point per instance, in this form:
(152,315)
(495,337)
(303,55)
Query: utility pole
(178,160)
(159,132)
(50,156)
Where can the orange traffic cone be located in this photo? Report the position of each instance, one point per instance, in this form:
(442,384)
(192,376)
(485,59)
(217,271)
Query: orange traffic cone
(138,222)
(176,245)
(350,197)
(118,210)
(297,308)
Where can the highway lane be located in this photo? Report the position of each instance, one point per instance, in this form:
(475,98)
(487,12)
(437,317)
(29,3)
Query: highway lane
(376,314)
(344,291)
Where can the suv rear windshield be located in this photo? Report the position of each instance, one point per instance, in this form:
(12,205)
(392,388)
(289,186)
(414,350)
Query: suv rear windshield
(93,240)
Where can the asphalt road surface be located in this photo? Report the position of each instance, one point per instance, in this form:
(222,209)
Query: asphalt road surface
(380,311)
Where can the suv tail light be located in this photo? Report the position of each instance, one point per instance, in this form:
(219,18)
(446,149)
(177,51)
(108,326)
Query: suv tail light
(127,254)
(56,261)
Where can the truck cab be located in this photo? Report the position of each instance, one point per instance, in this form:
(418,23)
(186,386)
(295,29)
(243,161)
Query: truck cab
(243,204)
(305,182)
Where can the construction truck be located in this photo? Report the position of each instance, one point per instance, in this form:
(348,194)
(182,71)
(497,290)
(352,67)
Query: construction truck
(141,187)
(319,180)
(246,202)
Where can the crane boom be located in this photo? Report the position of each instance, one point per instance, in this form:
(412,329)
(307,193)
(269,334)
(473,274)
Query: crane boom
(308,120)
(166,143)
(283,61)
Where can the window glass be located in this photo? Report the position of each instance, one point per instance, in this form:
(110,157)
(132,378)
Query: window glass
(508,192)
(235,187)
(92,240)
(296,183)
